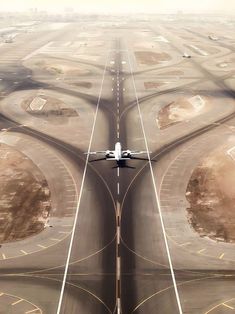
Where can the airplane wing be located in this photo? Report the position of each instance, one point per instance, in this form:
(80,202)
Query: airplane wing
(135,152)
(103,152)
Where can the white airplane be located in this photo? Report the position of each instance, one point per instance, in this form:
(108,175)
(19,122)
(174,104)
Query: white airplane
(118,154)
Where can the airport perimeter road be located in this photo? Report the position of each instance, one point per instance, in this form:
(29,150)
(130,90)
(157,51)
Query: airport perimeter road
(117,239)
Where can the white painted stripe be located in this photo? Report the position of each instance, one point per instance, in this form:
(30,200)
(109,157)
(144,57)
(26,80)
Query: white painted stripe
(80,195)
(118,188)
(118,306)
(118,268)
(118,235)
(24,252)
(155,191)
(16,302)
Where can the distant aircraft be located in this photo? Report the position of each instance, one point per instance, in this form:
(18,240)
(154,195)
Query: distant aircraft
(119,155)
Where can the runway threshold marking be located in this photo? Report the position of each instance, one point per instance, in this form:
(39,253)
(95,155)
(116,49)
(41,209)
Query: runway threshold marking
(81,190)
(155,191)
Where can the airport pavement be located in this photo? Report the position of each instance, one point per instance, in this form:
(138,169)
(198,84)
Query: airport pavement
(119,240)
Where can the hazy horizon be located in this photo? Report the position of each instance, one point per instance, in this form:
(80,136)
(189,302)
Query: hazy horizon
(124,6)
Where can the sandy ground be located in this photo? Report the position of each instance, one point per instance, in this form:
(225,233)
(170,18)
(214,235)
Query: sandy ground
(211,195)
(24,196)
(208,48)
(55,67)
(175,72)
(54,110)
(151,58)
(153,85)
(180,110)
(226,62)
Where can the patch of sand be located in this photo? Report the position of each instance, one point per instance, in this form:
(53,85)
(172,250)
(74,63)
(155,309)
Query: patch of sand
(180,110)
(151,58)
(53,110)
(153,85)
(24,196)
(57,67)
(211,195)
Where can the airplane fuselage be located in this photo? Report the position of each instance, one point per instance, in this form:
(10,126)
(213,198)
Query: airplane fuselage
(117,154)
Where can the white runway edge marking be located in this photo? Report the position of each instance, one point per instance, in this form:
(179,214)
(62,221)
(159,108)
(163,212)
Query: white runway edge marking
(155,191)
(80,195)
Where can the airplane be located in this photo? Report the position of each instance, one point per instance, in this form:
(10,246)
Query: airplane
(119,155)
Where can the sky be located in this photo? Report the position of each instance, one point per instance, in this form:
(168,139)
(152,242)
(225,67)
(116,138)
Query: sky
(120,6)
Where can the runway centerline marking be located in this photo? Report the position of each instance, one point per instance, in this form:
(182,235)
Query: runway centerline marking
(80,195)
(155,191)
